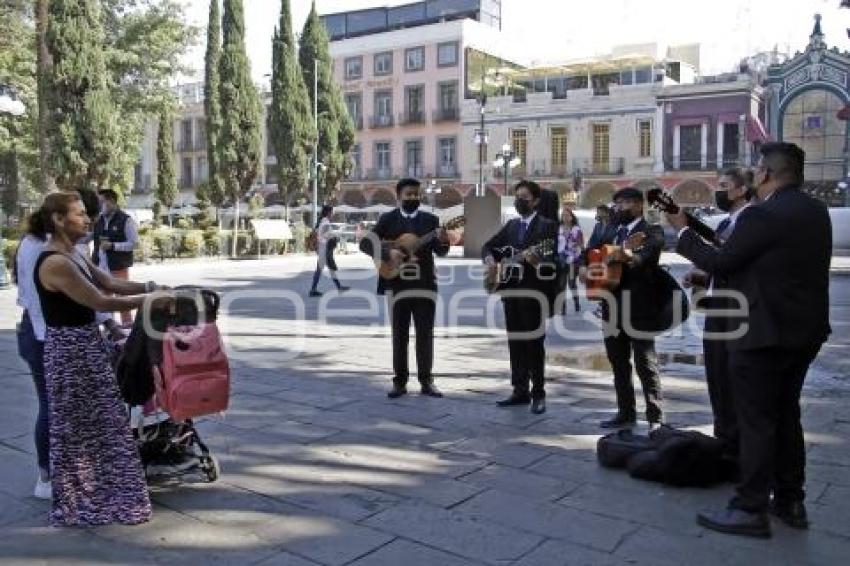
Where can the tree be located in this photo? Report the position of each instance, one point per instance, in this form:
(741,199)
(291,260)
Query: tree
(166,179)
(18,145)
(336,130)
(83,131)
(240,125)
(145,43)
(213,190)
(290,114)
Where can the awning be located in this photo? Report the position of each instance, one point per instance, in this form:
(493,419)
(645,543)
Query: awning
(756,131)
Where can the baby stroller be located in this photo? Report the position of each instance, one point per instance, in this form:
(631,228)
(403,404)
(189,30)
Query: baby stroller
(176,372)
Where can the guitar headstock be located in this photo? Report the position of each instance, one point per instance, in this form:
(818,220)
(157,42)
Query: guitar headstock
(661,201)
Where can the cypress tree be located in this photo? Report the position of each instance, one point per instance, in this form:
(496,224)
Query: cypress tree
(290,114)
(241,122)
(214,188)
(84,124)
(166,179)
(336,130)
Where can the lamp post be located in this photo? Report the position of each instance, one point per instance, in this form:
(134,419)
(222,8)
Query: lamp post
(507,160)
(9,104)
(315,169)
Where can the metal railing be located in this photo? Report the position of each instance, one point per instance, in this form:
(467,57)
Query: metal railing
(377,174)
(381,121)
(411,117)
(613,166)
(446,115)
(448,171)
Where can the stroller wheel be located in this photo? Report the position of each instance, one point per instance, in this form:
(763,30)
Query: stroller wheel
(210,468)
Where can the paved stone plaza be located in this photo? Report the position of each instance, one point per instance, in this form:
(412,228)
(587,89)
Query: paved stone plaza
(319,467)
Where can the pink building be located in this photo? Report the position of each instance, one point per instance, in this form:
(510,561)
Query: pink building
(402,73)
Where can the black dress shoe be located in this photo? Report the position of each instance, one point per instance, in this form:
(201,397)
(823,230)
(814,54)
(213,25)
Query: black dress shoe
(396,392)
(342,288)
(315,293)
(619,421)
(791,513)
(736,522)
(514,400)
(430,390)
(538,406)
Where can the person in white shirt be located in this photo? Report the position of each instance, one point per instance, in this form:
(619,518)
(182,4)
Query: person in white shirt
(325,244)
(115,237)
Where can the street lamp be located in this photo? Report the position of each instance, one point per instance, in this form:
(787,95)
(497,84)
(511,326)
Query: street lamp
(506,159)
(432,190)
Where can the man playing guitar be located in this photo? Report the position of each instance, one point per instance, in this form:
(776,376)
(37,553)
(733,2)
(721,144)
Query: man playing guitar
(528,298)
(633,304)
(412,290)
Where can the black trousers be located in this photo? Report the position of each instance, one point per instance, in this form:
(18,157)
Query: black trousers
(718,379)
(619,349)
(326,259)
(422,309)
(766,385)
(524,315)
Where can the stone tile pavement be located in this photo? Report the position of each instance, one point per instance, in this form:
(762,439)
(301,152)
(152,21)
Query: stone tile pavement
(320,468)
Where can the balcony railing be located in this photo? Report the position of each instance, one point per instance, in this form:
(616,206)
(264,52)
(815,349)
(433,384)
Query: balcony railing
(446,115)
(411,117)
(381,121)
(691,164)
(613,166)
(378,174)
(413,171)
(448,171)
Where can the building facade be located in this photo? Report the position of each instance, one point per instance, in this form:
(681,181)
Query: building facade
(708,126)
(402,73)
(806,95)
(584,129)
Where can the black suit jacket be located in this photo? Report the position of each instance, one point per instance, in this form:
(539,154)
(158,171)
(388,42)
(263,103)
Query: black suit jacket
(778,256)
(647,286)
(540,229)
(390,226)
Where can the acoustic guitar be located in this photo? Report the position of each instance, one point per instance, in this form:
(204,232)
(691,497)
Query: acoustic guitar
(409,244)
(663,202)
(604,274)
(508,270)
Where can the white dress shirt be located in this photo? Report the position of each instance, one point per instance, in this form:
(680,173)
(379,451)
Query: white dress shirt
(131,232)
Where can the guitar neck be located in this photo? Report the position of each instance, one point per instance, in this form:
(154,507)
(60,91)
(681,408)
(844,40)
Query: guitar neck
(701,228)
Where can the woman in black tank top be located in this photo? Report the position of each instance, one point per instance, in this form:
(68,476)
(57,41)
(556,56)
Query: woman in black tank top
(96,473)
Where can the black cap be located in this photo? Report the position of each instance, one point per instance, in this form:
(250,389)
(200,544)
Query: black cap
(629,193)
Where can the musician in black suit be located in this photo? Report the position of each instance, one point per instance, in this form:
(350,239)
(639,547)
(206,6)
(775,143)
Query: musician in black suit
(732,196)
(634,307)
(778,258)
(528,299)
(413,293)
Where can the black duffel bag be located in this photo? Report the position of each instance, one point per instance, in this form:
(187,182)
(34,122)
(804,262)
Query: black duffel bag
(614,450)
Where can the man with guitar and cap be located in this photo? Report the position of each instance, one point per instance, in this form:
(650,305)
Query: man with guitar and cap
(412,289)
(528,297)
(778,258)
(634,308)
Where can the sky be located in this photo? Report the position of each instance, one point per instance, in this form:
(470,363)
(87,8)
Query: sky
(559,30)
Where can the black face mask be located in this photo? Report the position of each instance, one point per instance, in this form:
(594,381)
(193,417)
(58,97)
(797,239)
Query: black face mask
(409,206)
(522,206)
(624,217)
(722,200)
